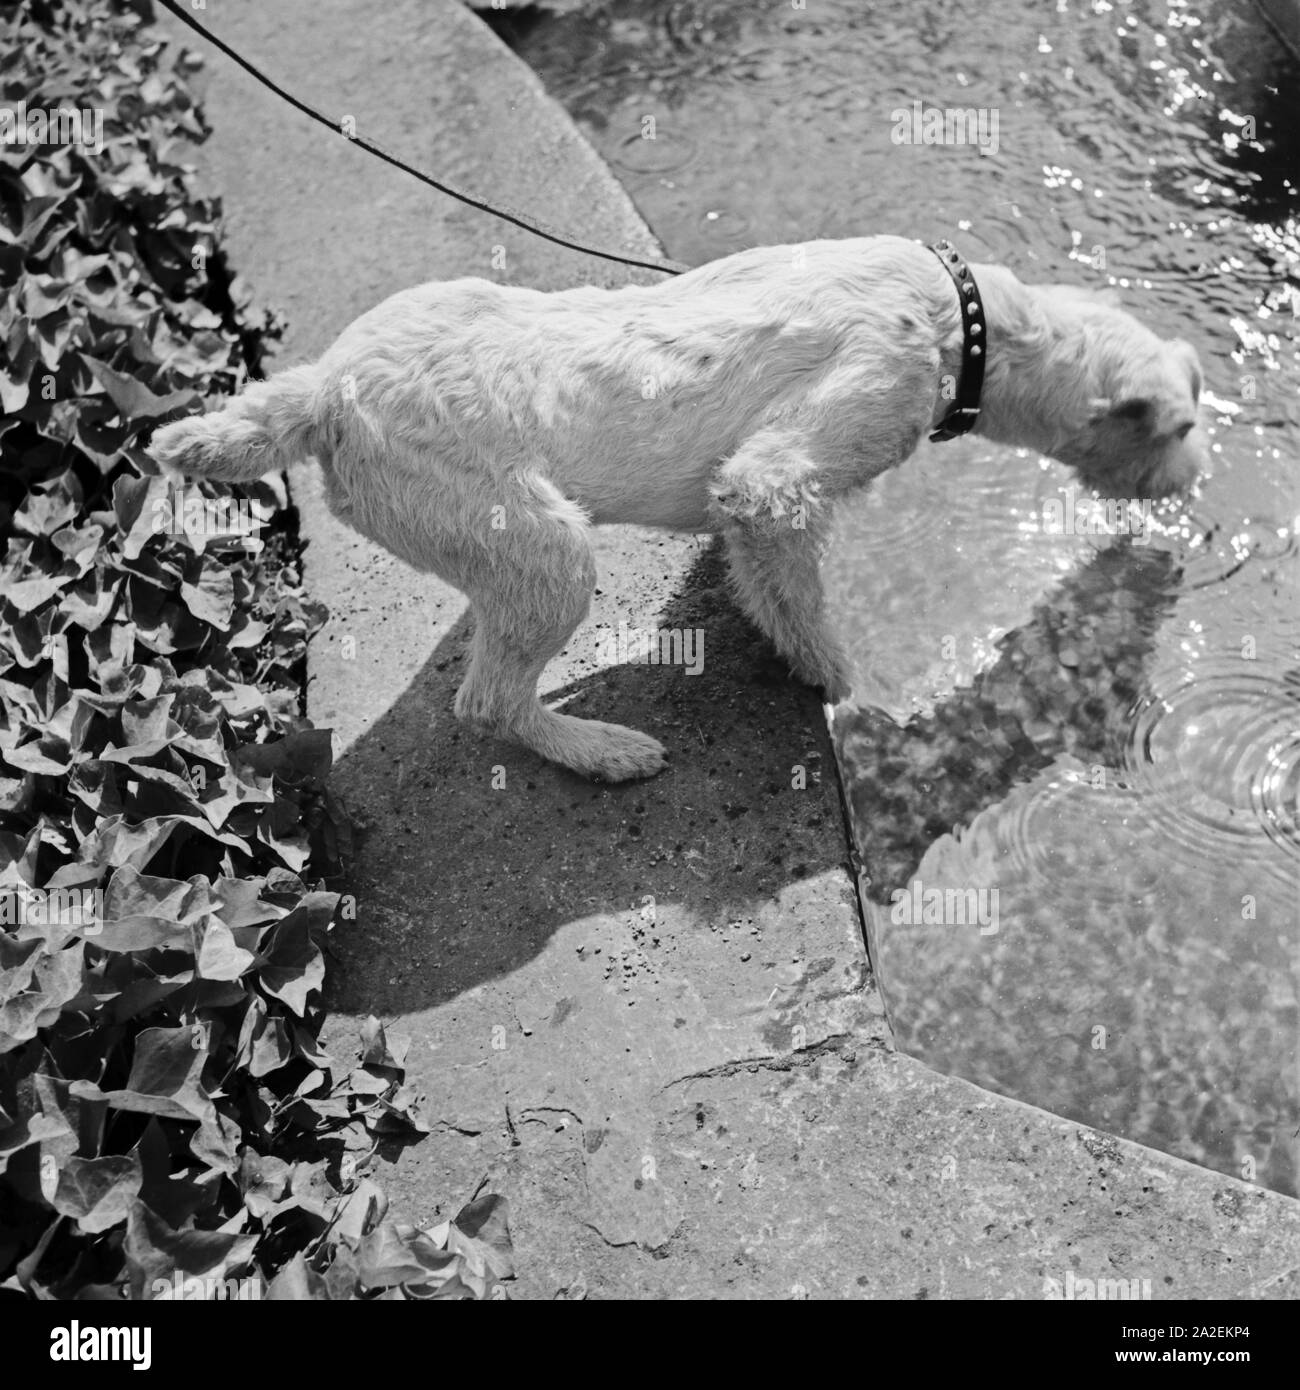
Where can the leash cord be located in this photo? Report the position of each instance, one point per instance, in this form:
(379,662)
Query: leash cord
(519,219)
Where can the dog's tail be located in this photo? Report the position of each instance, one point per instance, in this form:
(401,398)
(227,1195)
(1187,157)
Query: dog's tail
(271,425)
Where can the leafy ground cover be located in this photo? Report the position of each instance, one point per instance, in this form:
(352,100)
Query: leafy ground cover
(171,858)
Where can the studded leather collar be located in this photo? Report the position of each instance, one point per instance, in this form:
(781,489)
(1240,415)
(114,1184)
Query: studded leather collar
(965,411)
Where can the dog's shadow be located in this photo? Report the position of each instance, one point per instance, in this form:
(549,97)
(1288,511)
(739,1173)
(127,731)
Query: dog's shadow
(469,854)
(1064,683)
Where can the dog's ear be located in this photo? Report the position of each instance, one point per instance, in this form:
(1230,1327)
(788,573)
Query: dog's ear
(1152,416)
(1132,410)
(1136,410)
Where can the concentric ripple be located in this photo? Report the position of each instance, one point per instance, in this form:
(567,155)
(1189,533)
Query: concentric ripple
(1215,548)
(1060,830)
(1219,750)
(665,153)
(1026,831)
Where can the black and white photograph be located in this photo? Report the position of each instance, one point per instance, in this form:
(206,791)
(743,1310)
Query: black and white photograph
(650,652)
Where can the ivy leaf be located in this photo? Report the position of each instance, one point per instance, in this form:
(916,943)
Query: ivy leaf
(164,1080)
(158,1257)
(133,399)
(482,1227)
(98,1193)
(298,1281)
(34,993)
(220,955)
(306,754)
(143,913)
(393,1254)
(49,507)
(211,595)
(295,967)
(375,1047)
(152,745)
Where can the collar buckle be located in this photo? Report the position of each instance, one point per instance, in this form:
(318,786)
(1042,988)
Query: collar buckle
(958,421)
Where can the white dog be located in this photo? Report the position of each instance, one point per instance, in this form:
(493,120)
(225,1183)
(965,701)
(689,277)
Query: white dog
(479,431)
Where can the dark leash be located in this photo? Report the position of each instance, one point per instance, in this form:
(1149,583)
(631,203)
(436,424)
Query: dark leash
(519,219)
(965,412)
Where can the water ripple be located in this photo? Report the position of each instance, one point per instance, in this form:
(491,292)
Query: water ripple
(1213,547)
(666,152)
(1219,751)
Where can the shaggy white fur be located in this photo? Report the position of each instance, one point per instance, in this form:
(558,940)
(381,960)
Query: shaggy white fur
(479,430)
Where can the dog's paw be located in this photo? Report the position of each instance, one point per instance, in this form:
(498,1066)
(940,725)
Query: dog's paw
(175,445)
(833,684)
(835,691)
(611,752)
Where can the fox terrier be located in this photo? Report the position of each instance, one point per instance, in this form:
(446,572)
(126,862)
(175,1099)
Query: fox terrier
(479,431)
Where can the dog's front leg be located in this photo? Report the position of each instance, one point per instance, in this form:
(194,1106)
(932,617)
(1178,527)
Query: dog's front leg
(770,507)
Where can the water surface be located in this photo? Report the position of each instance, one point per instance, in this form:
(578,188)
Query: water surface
(1106,733)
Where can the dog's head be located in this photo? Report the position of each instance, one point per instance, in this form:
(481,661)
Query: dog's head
(1139,435)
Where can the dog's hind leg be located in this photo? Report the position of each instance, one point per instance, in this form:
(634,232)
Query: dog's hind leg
(529,596)
(768,504)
